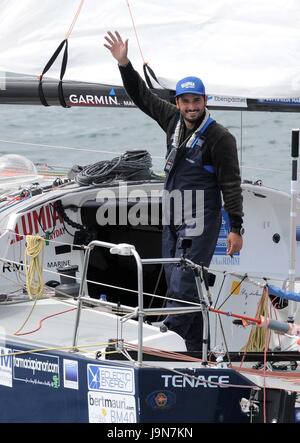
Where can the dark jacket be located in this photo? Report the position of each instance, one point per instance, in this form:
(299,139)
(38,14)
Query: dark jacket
(219,151)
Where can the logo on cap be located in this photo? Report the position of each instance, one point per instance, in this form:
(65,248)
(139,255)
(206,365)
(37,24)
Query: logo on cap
(188,85)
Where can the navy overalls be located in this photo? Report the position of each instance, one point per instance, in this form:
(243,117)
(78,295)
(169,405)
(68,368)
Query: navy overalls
(189,173)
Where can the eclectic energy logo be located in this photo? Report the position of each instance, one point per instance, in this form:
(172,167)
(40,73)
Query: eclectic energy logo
(110,379)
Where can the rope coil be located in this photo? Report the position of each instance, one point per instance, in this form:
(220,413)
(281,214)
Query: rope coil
(34,265)
(133,165)
(257,340)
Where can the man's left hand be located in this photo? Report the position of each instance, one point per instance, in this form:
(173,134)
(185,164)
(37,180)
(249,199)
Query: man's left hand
(234,243)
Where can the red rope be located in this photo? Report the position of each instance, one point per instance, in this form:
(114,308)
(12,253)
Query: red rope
(43,319)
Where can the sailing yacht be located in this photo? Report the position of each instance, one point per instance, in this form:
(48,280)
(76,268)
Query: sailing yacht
(82,303)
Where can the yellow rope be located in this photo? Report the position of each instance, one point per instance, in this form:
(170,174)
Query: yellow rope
(257,338)
(34,265)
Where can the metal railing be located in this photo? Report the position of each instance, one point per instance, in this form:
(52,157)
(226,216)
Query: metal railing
(139,312)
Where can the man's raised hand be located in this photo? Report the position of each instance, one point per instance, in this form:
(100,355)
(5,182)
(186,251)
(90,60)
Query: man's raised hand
(117,47)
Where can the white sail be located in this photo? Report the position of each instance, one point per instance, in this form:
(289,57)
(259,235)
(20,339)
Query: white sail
(238,47)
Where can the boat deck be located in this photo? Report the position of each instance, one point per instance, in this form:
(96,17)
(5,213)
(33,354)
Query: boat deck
(51,323)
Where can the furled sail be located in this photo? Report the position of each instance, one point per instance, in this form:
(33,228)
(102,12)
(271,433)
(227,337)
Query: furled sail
(239,47)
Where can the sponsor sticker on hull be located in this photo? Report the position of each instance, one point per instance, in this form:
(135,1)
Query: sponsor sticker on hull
(37,369)
(106,407)
(110,379)
(71,378)
(5,367)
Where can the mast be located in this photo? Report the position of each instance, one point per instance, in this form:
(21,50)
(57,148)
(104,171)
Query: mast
(293,221)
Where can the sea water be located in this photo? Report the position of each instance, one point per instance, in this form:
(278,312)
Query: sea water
(45,135)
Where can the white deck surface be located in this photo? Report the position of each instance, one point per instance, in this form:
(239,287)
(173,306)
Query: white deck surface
(95,327)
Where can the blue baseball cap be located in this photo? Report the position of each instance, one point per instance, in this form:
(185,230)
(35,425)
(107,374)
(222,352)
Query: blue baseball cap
(190,85)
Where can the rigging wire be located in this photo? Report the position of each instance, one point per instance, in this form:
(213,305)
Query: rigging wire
(75,19)
(39,145)
(107,285)
(225,341)
(97,151)
(255,282)
(235,287)
(136,33)
(250,278)
(220,290)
